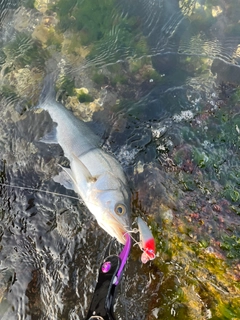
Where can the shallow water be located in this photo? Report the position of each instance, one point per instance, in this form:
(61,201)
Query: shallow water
(164,77)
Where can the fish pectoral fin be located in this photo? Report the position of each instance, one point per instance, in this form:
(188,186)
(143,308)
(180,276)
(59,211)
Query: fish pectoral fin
(84,170)
(65,179)
(68,173)
(50,137)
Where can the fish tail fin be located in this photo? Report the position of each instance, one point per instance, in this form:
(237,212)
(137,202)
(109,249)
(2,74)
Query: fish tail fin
(48,90)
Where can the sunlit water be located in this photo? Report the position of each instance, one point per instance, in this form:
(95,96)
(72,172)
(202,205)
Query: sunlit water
(51,247)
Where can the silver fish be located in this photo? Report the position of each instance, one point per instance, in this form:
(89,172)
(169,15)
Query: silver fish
(96,175)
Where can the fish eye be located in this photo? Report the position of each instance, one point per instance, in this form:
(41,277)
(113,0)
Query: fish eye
(120,209)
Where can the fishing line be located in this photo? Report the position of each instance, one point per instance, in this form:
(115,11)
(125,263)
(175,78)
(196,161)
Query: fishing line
(129,232)
(134,230)
(40,190)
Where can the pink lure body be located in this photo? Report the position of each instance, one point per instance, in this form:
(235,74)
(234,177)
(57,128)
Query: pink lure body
(147,242)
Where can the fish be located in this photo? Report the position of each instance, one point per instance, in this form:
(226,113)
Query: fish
(147,241)
(95,175)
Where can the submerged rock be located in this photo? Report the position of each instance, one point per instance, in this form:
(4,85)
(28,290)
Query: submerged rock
(83,111)
(26,83)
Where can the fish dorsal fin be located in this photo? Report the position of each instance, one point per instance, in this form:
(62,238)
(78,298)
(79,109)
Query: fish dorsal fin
(84,170)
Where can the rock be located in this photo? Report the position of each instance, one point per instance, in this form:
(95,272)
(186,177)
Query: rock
(216,11)
(26,20)
(167,216)
(83,111)
(42,5)
(26,83)
(81,90)
(41,34)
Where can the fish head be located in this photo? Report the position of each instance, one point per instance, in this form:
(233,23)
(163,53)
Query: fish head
(112,211)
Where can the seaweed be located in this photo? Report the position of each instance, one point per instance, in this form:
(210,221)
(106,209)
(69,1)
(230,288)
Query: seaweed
(85,97)
(99,23)
(22,50)
(91,17)
(66,85)
(99,78)
(28,4)
(232,245)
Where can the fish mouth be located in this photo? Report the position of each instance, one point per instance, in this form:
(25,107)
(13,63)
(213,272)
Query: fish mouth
(115,228)
(118,231)
(121,236)
(120,228)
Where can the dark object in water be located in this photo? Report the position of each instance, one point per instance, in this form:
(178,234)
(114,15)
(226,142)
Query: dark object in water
(110,274)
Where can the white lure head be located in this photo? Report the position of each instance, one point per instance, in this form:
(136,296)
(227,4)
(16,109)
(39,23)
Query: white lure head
(147,242)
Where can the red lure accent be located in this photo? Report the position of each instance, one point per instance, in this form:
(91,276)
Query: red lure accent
(149,248)
(147,242)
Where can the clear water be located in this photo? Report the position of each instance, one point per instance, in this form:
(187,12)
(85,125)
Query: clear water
(166,76)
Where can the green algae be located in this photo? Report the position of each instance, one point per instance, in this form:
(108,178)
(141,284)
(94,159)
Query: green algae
(91,17)
(2,57)
(54,39)
(200,15)
(92,23)
(119,79)
(28,4)
(127,44)
(195,65)
(66,85)
(211,149)
(232,245)
(186,182)
(236,96)
(8,92)
(201,246)
(85,97)
(230,311)
(203,281)
(236,209)
(99,78)
(231,193)
(22,50)
(152,75)
(96,23)
(136,64)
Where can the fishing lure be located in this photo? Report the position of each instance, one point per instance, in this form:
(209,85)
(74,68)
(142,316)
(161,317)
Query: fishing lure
(147,242)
